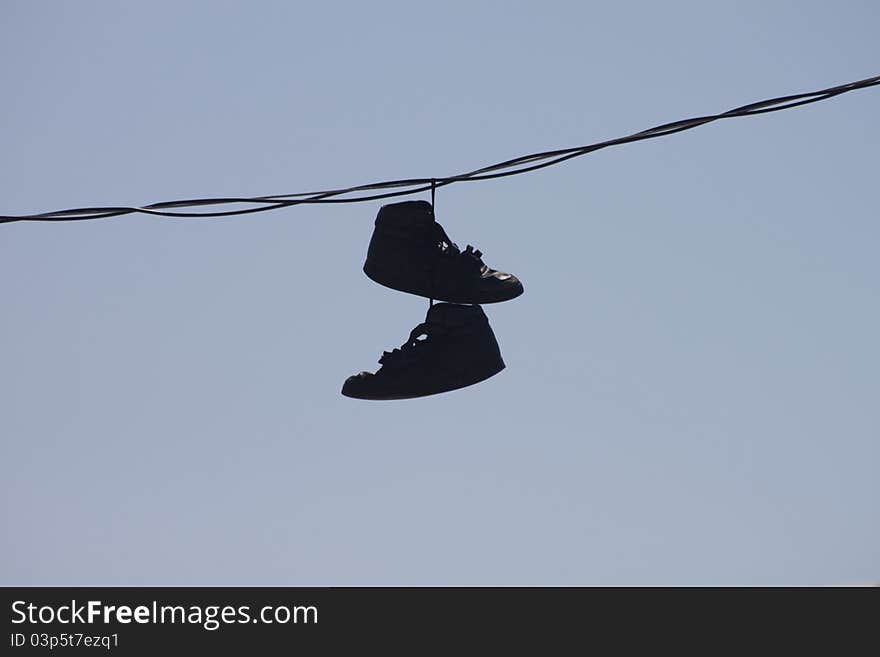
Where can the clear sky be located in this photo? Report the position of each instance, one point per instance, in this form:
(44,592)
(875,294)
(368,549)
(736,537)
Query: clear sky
(693,372)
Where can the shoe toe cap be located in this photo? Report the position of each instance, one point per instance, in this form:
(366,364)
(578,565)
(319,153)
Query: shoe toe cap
(500,286)
(358,385)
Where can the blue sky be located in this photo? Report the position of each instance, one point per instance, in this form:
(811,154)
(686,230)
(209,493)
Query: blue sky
(692,373)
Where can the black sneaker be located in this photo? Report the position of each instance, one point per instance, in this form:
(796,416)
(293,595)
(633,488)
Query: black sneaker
(411,252)
(454,348)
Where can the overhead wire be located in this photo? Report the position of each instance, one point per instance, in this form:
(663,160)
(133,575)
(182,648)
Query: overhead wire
(408,186)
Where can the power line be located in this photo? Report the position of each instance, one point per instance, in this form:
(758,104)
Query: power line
(515,166)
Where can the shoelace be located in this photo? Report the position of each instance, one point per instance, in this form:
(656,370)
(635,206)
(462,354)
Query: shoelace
(450,248)
(407,351)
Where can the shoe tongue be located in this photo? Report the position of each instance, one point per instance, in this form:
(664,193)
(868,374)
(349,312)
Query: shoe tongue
(452,315)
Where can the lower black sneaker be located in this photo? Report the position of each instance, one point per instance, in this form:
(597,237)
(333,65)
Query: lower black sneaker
(454,348)
(410,252)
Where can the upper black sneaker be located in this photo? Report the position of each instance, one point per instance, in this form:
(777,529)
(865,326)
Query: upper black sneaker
(410,252)
(454,348)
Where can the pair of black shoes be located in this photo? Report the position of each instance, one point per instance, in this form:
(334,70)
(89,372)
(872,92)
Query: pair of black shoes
(455,346)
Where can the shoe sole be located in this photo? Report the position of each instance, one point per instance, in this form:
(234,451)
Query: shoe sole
(482,377)
(394,282)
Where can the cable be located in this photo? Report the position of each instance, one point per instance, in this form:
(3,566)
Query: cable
(405,187)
